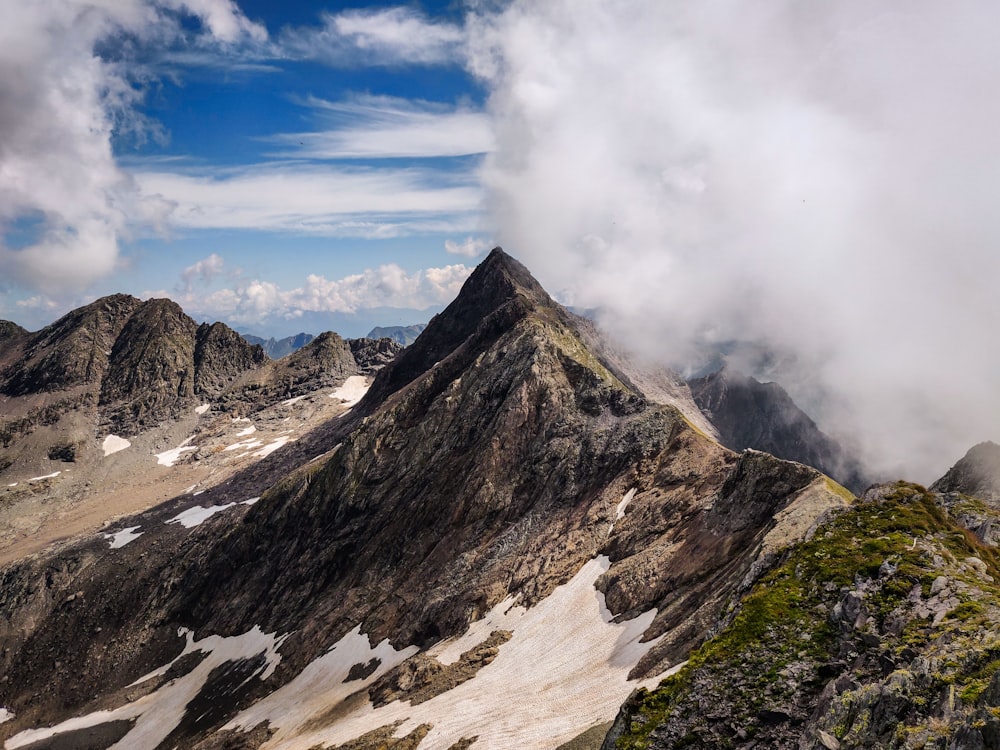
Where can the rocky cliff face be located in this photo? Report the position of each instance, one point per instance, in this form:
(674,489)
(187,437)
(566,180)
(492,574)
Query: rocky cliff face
(500,515)
(762,416)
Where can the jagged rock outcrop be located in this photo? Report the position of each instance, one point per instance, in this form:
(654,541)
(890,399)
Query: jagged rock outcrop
(373,354)
(151,373)
(220,356)
(977,474)
(490,464)
(73,351)
(762,416)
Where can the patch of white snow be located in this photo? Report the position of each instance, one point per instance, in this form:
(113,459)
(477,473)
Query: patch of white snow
(620,512)
(564,670)
(353,389)
(47,476)
(169,458)
(12,485)
(290,401)
(157,714)
(270,448)
(243,445)
(246,431)
(5,715)
(202,409)
(251,501)
(197,515)
(113,444)
(121,538)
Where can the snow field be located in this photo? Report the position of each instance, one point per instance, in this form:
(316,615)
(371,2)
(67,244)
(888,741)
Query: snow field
(353,390)
(564,670)
(158,713)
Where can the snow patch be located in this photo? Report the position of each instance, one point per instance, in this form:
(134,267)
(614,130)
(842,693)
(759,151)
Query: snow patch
(159,713)
(270,448)
(620,512)
(125,536)
(290,401)
(237,420)
(47,476)
(5,715)
(202,409)
(113,444)
(243,445)
(251,501)
(353,389)
(12,485)
(322,684)
(197,515)
(169,458)
(564,670)
(246,431)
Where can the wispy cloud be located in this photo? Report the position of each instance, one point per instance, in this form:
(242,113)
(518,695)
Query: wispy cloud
(389,36)
(384,127)
(310,199)
(203,271)
(470,247)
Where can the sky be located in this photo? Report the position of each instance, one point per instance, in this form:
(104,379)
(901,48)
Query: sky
(806,188)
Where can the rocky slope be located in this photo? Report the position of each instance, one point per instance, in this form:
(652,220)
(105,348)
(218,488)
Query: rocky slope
(496,545)
(879,632)
(93,407)
(762,416)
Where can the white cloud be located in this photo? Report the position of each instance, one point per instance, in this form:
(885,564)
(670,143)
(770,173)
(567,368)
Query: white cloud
(470,247)
(253,301)
(819,179)
(204,271)
(293,197)
(59,105)
(381,127)
(390,36)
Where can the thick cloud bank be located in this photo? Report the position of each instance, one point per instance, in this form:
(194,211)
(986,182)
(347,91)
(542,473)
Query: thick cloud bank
(817,179)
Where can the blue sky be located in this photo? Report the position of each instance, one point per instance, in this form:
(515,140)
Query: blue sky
(270,160)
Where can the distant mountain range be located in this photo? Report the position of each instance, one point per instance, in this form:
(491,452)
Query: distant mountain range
(278,348)
(504,535)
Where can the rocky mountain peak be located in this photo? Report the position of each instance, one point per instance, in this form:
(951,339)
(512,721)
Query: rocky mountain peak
(497,294)
(72,351)
(762,416)
(220,356)
(976,474)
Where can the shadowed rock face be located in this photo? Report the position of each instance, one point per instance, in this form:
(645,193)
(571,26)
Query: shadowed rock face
(220,356)
(762,416)
(73,351)
(490,459)
(977,474)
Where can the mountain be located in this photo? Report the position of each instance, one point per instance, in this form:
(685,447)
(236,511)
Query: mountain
(494,547)
(880,631)
(122,403)
(278,348)
(762,416)
(515,537)
(402,335)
